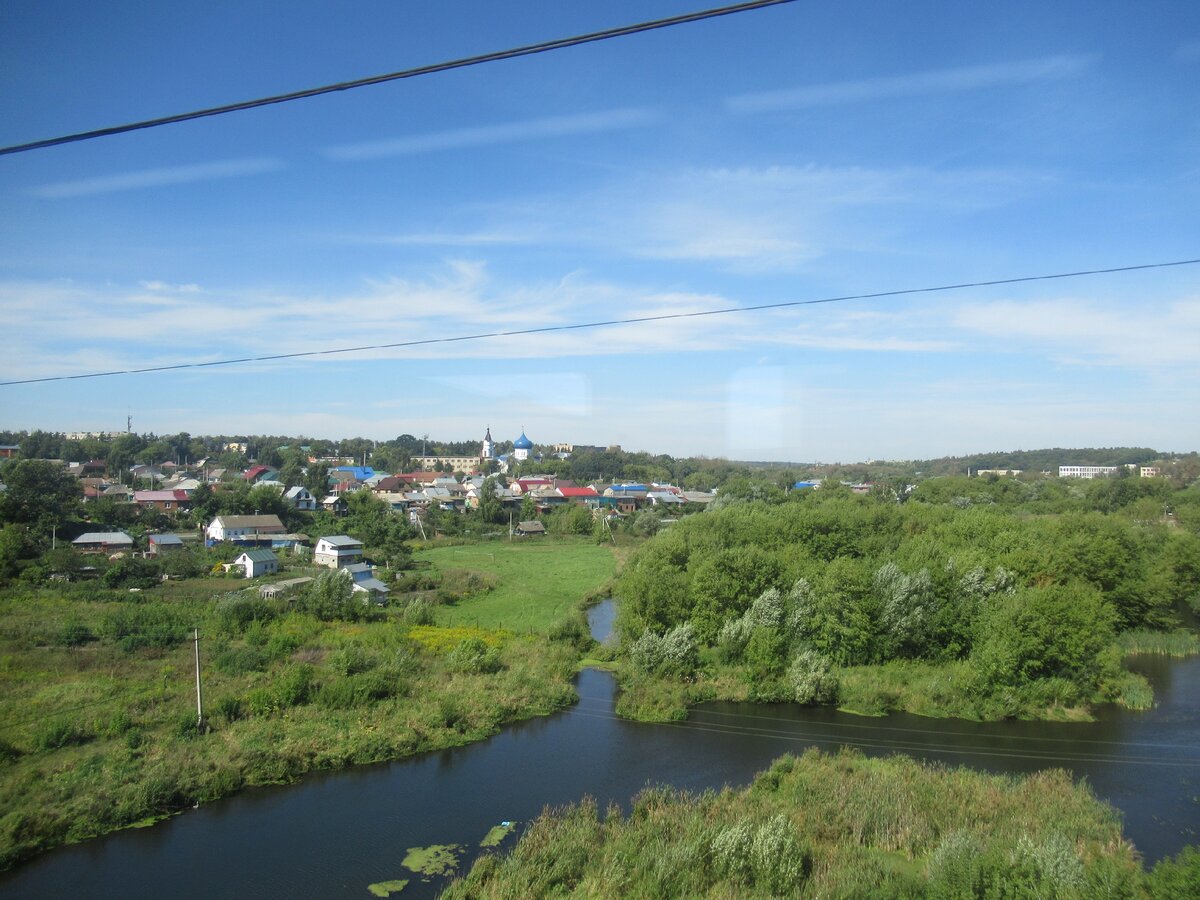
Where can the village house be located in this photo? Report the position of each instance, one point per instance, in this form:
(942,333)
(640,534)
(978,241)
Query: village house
(300,498)
(243,529)
(257,562)
(258,474)
(164,543)
(365,582)
(103,542)
(165,500)
(337,551)
(664,498)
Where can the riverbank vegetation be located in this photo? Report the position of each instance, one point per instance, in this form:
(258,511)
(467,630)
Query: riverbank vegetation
(98,724)
(965,598)
(836,825)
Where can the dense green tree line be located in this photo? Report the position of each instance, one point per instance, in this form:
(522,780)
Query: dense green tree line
(859,580)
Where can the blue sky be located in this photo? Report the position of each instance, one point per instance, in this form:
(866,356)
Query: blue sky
(786,154)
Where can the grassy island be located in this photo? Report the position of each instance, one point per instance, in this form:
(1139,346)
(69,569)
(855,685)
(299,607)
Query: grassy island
(837,825)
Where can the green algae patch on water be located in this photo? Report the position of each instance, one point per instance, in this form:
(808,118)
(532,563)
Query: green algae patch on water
(497,834)
(436,859)
(387,888)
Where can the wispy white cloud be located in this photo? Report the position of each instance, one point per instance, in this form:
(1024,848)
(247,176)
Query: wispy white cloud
(167,287)
(152,178)
(502,133)
(441,239)
(65,328)
(759,219)
(967,78)
(1085,332)
(741,219)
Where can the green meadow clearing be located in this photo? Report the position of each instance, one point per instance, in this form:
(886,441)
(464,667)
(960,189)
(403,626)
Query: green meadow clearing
(531,584)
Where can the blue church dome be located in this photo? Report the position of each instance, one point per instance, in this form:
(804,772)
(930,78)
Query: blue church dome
(522,443)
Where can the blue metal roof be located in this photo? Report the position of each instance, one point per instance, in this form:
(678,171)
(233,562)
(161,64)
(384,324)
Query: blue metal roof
(522,443)
(359,473)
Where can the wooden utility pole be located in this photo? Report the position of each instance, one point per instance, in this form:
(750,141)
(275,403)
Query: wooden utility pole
(199,693)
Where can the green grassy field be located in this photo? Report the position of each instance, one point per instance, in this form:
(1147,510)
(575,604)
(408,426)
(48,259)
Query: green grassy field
(537,581)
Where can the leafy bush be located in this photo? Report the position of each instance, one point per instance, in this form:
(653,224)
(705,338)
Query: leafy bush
(646,653)
(779,861)
(953,869)
(417,612)
(1176,877)
(8,753)
(118,724)
(961,866)
(1050,868)
(280,645)
(295,685)
(732,640)
(770,856)
(675,653)
(473,657)
(235,612)
(131,572)
(230,709)
(73,634)
(186,725)
(1063,632)
(240,660)
(766,652)
(54,734)
(146,626)
(330,597)
(358,690)
(350,660)
(731,852)
(571,630)
(680,652)
(811,678)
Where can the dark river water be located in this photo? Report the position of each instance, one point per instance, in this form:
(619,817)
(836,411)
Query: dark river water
(333,834)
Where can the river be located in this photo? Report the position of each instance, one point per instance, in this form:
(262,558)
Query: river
(333,834)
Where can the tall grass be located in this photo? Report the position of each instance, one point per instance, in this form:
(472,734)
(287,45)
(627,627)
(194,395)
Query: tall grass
(1162,643)
(828,825)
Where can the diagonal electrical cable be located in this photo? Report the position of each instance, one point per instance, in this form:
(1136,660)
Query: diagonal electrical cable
(808,740)
(49,714)
(495,56)
(633,320)
(875,726)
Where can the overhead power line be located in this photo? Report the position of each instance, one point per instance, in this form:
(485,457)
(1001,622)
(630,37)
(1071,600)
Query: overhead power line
(495,56)
(808,740)
(579,326)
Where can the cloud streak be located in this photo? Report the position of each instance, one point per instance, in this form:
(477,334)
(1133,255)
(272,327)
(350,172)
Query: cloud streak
(152,178)
(488,135)
(1082,332)
(940,81)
